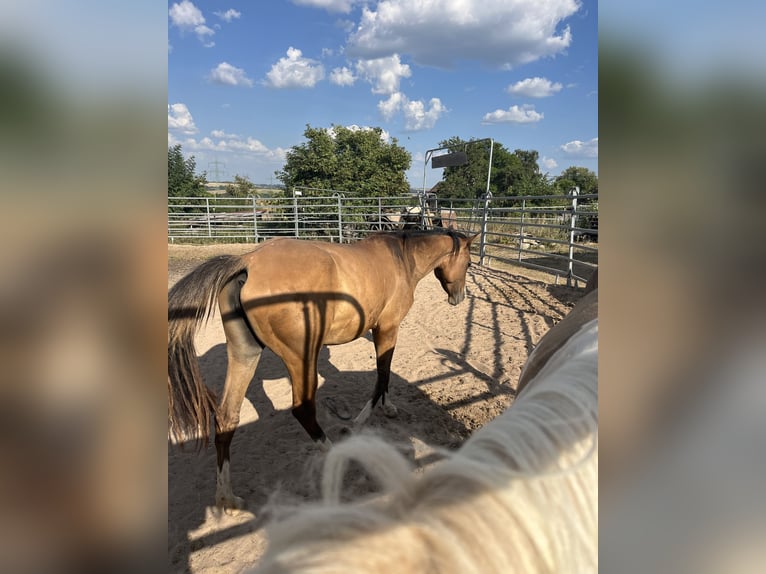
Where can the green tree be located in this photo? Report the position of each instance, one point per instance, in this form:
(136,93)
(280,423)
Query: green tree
(573,176)
(182,180)
(356,161)
(241,187)
(514,173)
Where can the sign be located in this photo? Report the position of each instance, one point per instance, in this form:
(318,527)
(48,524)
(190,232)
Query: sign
(449,159)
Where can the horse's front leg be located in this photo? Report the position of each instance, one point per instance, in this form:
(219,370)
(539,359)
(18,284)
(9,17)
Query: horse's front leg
(385,342)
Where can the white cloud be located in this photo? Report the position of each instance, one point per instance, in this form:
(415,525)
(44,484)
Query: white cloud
(229,15)
(549,163)
(343,6)
(222,134)
(417,117)
(180,119)
(225,73)
(294,71)
(388,108)
(188,18)
(231,143)
(342,77)
(534,88)
(384,74)
(202,33)
(577,148)
(185,15)
(525,114)
(501,33)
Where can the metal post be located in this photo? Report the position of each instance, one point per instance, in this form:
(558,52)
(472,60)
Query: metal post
(521,227)
(380,215)
(207,207)
(255,220)
(572,225)
(295,213)
(489,170)
(340,217)
(483,246)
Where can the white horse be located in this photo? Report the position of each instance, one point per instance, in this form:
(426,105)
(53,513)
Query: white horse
(521,495)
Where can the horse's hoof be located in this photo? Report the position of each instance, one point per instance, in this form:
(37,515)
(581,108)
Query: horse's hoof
(390,411)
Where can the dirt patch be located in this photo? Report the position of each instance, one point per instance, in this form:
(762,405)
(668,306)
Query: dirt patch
(454,370)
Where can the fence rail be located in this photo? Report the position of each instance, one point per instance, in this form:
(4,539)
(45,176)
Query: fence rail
(554,233)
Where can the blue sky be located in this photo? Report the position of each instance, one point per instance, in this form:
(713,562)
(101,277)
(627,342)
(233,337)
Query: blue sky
(245,78)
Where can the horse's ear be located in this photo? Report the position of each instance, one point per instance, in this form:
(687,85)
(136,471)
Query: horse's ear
(470,239)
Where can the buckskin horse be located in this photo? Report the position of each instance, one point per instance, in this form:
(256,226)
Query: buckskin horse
(294,296)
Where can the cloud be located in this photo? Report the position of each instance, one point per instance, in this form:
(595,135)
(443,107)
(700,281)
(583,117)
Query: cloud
(525,114)
(185,15)
(223,134)
(229,15)
(229,75)
(534,88)
(417,117)
(343,6)
(581,149)
(384,74)
(342,77)
(499,33)
(188,18)
(294,71)
(549,163)
(388,108)
(222,142)
(180,119)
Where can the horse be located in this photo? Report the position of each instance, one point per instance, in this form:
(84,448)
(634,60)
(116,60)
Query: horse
(521,495)
(294,296)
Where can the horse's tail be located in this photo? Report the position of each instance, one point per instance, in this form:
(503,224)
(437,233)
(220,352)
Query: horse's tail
(190,302)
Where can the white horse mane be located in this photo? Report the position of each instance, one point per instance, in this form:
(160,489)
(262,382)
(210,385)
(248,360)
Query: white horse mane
(521,495)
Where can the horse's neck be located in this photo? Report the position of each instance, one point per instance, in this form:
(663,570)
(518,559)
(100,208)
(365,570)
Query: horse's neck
(427,252)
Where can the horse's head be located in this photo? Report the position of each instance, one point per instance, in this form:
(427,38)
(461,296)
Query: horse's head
(452,269)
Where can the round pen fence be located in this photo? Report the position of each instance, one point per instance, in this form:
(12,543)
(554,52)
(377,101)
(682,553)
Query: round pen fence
(553,233)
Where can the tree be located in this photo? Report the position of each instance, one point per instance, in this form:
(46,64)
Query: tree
(514,173)
(581,177)
(182,180)
(242,187)
(356,161)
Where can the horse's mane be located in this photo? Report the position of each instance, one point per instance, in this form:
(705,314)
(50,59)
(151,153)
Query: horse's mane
(519,496)
(405,235)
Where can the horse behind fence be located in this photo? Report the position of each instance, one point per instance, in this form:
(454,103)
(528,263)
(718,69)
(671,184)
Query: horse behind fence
(521,494)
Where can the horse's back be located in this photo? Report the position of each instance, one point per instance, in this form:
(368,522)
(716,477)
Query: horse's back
(345,287)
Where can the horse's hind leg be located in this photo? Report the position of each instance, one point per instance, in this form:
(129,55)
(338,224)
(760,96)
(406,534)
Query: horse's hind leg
(243,352)
(385,342)
(304,379)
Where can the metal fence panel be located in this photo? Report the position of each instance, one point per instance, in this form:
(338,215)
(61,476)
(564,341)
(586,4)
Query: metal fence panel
(555,233)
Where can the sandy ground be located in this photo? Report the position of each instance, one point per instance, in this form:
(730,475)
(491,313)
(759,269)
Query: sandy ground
(454,369)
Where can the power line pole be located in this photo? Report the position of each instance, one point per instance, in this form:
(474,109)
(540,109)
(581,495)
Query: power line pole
(217,172)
